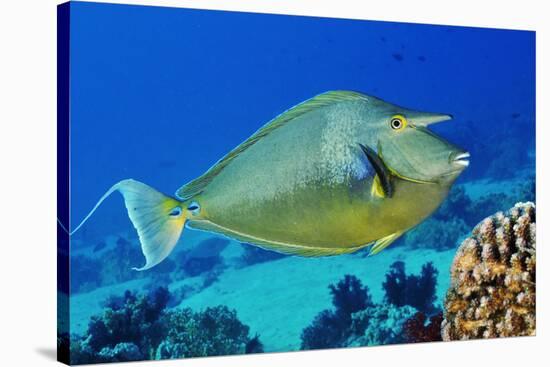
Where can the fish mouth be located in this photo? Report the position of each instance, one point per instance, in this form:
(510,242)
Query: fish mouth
(461,159)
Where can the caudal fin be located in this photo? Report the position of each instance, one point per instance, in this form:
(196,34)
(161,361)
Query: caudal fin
(158,219)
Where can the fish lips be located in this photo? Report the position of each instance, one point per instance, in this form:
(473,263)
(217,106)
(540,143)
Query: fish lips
(460,160)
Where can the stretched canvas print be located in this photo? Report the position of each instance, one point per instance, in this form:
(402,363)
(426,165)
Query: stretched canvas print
(235,183)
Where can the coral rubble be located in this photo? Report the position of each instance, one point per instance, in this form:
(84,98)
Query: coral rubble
(492,292)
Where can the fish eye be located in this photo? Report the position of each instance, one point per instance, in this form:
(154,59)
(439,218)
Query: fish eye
(398,122)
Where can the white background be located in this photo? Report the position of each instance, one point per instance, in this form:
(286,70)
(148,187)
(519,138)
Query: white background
(28,183)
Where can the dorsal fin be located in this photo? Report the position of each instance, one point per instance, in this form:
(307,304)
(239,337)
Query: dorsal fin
(196,186)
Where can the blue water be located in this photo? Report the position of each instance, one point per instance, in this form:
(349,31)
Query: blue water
(160,94)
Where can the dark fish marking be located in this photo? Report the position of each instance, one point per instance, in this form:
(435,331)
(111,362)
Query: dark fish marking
(176,212)
(381,170)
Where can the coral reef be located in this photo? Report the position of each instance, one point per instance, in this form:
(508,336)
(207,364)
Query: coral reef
(330,329)
(326,331)
(85,274)
(492,290)
(256,255)
(112,265)
(440,235)
(133,321)
(456,205)
(349,296)
(121,352)
(215,331)
(459,213)
(417,291)
(254,345)
(135,327)
(415,329)
(378,325)
(357,321)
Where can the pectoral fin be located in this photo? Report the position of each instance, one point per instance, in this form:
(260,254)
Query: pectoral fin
(383,177)
(384,242)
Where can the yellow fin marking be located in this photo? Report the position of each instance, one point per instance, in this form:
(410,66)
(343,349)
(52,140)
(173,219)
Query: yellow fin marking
(384,242)
(376,188)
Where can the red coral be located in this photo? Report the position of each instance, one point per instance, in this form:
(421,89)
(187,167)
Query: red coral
(415,329)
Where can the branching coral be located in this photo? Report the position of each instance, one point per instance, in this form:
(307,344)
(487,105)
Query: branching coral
(135,321)
(326,331)
(136,327)
(492,289)
(330,329)
(215,331)
(415,329)
(121,352)
(414,290)
(378,325)
(254,345)
(349,296)
(357,321)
